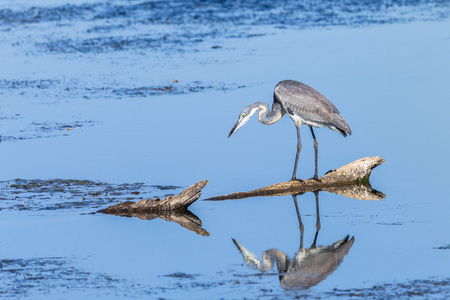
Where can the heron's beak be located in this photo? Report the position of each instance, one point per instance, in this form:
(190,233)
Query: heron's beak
(235,127)
(241,122)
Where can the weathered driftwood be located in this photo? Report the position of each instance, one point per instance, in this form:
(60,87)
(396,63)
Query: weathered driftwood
(172,203)
(351,180)
(172,208)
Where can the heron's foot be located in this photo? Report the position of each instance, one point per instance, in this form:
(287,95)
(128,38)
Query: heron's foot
(297,179)
(316,178)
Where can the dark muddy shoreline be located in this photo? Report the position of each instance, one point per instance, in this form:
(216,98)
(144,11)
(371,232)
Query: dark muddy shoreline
(163,26)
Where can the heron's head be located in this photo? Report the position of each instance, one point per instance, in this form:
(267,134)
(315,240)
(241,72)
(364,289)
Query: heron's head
(244,116)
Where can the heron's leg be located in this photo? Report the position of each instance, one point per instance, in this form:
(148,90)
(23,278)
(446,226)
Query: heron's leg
(317,220)
(299,147)
(300,223)
(316,148)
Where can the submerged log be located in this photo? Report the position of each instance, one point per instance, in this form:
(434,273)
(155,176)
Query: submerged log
(172,208)
(351,180)
(172,203)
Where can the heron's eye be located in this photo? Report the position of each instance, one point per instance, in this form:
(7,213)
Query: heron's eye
(243,115)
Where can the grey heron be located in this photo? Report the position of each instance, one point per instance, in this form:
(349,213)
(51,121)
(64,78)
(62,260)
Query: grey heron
(304,105)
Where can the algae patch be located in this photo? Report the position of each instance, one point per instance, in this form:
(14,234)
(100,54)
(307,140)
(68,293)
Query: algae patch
(44,275)
(57,194)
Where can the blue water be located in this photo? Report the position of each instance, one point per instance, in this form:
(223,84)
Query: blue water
(389,81)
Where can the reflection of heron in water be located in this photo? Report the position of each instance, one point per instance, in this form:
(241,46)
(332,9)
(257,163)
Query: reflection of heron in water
(304,105)
(309,266)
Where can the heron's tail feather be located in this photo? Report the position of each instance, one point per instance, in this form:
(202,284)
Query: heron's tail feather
(340,243)
(341,125)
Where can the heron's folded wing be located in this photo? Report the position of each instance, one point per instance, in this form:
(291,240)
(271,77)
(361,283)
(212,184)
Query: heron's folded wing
(305,102)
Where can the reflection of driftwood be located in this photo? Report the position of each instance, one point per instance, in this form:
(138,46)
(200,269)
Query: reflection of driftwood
(350,180)
(184,218)
(356,191)
(172,208)
(171,203)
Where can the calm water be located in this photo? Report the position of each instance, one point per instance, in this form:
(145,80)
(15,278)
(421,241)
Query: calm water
(150,93)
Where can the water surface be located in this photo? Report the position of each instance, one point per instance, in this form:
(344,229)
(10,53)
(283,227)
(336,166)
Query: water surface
(128,100)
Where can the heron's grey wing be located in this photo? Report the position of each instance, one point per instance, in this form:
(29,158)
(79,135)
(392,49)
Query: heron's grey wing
(315,265)
(304,101)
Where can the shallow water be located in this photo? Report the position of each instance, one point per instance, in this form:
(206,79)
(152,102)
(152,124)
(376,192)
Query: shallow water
(130,100)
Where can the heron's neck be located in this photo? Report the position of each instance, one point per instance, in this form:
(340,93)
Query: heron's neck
(266,116)
(273,255)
